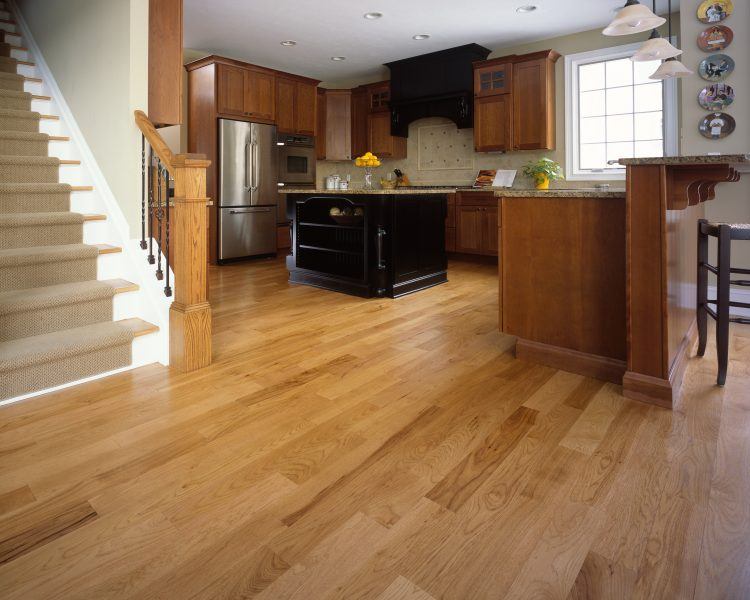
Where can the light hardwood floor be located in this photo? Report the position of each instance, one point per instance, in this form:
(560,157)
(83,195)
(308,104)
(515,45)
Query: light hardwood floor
(342,448)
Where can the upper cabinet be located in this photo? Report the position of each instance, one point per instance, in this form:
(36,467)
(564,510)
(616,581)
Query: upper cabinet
(380,141)
(379,96)
(246,92)
(371,122)
(514,102)
(165,62)
(338,130)
(321,125)
(295,105)
(360,110)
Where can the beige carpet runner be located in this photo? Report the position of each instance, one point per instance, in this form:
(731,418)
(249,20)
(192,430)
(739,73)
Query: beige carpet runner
(55,317)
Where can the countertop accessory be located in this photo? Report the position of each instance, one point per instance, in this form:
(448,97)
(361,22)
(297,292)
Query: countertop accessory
(333,182)
(716,126)
(716,96)
(714,11)
(543,171)
(367,161)
(388,184)
(716,67)
(716,37)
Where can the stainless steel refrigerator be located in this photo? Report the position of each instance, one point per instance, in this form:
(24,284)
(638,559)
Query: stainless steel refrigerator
(248,189)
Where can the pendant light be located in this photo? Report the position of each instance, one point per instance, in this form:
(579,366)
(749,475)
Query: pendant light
(671,68)
(633,18)
(655,47)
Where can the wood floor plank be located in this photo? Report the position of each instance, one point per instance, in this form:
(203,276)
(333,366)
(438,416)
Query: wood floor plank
(17,498)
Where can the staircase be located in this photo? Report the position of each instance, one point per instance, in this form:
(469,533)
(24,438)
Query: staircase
(56,316)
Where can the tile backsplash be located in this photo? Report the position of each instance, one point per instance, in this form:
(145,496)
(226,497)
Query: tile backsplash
(438,153)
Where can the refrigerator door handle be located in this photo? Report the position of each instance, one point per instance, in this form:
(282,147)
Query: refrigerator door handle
(248,165)
(249,211)
(256,166)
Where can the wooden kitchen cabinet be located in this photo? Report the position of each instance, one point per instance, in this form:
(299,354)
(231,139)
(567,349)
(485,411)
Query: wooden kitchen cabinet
(492,123)
(514,102)
(380,141)
(450,224)
(477,223)
(360,109)
(245,92)
(231,90)
(295,106)
(165,68)
(338,128)
(379,96)
(321,125)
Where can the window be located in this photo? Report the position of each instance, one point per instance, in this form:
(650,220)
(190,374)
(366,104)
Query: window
(613,111)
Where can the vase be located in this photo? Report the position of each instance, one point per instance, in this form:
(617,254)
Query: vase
(542,182)
(368,178)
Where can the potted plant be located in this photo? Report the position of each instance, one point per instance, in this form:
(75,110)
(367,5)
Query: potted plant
(543,171)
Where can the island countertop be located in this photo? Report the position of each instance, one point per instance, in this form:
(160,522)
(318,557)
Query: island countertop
(569,193)
(508,192)
(373,192)
(702,159)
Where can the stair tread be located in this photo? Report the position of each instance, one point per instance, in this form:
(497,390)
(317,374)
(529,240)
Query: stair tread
(39,349)
(12,159)
(35,188)
(19,94)
(24,300)
(36,254)
(41,218)
(17,113)
(24,135)
(107,249)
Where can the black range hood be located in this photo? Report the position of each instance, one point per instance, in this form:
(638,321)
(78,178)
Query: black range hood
(439,84)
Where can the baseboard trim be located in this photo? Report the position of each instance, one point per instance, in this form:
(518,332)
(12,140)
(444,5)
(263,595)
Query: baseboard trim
(658,391)
(565,359)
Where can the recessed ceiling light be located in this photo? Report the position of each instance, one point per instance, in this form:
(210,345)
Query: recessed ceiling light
(526,8)
(288,43)
(421,36)
(338,58)
(372,15)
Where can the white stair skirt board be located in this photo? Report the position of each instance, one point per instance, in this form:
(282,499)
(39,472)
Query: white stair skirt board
(148,302)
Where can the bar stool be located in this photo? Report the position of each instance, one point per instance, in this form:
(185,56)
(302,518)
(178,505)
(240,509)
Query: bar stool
(725,233)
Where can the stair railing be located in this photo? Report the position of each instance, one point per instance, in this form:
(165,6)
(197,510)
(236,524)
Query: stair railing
(173,213)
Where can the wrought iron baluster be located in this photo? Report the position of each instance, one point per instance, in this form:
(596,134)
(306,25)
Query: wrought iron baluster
(167,288)
(159,217)
(150,259)
(143,192)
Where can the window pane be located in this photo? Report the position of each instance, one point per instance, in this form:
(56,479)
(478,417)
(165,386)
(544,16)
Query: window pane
(591,77)
(592,104)
(643,70)
(592,130)
(654,148)
(593,156)
(620,150)
(619,72)
(620,100)
(648,126)
(648,97)
(620,128)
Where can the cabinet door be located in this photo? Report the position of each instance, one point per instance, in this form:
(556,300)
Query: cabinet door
(321,126)
(380,141)
(489,231)
(231,90)
(469,228)
(492,123)
(379,96)
(304,108)
(338,125)
(492,80)
(360,110)
(533,105)
(285,93)
(260,95)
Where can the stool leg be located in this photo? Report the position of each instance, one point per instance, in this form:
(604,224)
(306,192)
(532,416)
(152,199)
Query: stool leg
(702,288)
(722,307)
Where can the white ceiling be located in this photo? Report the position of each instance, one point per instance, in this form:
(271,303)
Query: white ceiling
(253,29)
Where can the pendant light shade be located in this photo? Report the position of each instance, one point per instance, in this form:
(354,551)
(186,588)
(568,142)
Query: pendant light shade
(633,18)
(671,69)
(655,48)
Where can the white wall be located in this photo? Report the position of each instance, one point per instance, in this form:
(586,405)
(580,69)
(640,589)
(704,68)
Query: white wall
(732,203)
(98,53)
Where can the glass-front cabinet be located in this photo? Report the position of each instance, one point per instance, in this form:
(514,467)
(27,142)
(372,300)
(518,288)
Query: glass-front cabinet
(493,78)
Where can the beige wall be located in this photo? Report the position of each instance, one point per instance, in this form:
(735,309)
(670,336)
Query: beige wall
(569,44)
(98,54)
(732,203)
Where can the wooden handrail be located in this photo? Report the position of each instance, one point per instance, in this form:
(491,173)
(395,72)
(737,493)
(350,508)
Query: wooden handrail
(190,312)
(155,140)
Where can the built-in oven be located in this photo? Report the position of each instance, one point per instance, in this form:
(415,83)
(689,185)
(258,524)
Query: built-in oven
(296,159)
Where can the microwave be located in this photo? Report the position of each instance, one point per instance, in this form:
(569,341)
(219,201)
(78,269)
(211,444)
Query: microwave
(296,159)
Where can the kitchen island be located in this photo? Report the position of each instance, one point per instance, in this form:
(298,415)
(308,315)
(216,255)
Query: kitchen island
(394,245)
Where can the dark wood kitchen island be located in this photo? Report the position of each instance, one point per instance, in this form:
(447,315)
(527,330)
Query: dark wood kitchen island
(393,246)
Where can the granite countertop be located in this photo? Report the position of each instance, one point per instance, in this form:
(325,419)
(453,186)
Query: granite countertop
(373,192)
(569,193)
(704,159)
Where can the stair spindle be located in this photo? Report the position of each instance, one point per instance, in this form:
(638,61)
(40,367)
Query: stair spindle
(167,288)
(143,192)
(159,217)
(151,259)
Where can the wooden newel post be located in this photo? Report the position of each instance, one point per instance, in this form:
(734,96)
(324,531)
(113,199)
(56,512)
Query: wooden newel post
(190,313)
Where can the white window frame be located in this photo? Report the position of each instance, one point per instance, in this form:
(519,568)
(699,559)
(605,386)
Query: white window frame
(669,111)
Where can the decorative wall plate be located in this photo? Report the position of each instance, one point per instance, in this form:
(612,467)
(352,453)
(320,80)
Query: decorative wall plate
(716,125)
(716,37)
(716,67)
(713,11)
(716,96)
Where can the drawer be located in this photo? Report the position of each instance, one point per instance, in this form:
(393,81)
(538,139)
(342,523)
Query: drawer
(476,199)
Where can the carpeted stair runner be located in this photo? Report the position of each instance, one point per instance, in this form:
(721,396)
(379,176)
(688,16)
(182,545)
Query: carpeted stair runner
(55,316)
